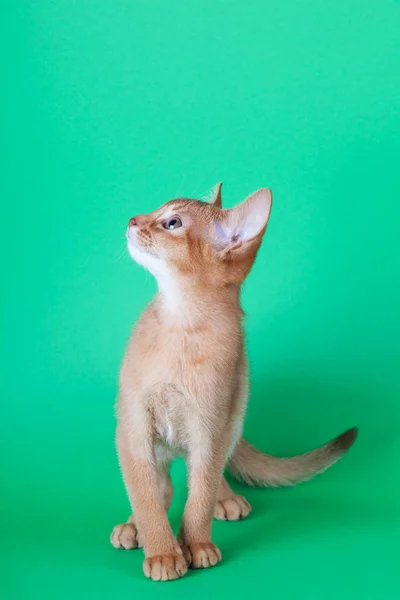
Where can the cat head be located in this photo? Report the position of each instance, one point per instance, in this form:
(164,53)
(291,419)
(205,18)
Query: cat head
(198,241)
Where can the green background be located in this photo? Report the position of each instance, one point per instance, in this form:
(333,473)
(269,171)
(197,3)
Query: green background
(112,108)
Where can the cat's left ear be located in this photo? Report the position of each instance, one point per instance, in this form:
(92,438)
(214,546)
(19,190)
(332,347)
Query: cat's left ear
(244,225)
(216,199)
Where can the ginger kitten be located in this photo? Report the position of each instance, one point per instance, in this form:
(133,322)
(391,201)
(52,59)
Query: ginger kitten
(184,383)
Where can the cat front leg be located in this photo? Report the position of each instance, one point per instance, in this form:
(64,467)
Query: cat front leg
(125,536)
(164,559)
(205,467)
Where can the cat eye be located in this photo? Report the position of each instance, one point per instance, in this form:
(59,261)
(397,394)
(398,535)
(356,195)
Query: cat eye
(172,223)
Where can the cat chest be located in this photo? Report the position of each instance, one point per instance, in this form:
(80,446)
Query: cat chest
(170,415)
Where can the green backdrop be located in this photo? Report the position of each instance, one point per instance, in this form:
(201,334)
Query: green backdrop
(112,108)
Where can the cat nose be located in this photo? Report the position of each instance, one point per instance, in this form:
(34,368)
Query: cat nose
(138,221)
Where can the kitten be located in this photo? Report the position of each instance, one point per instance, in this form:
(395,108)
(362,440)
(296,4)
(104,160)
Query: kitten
(184,383)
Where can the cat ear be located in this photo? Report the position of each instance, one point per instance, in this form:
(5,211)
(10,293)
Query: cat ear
(216,199)
(244,223)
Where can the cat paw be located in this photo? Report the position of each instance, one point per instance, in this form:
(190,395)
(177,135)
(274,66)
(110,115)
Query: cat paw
(125,536)
(202,555)
(165,567)
(232,509)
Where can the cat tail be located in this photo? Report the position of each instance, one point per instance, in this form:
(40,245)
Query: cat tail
(258,469)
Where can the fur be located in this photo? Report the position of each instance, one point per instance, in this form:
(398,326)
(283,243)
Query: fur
(184,383)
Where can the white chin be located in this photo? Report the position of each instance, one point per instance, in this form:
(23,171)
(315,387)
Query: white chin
(143,258)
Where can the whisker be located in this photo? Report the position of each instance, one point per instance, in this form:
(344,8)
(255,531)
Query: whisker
(121,252)
(193,195)
(180,189)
